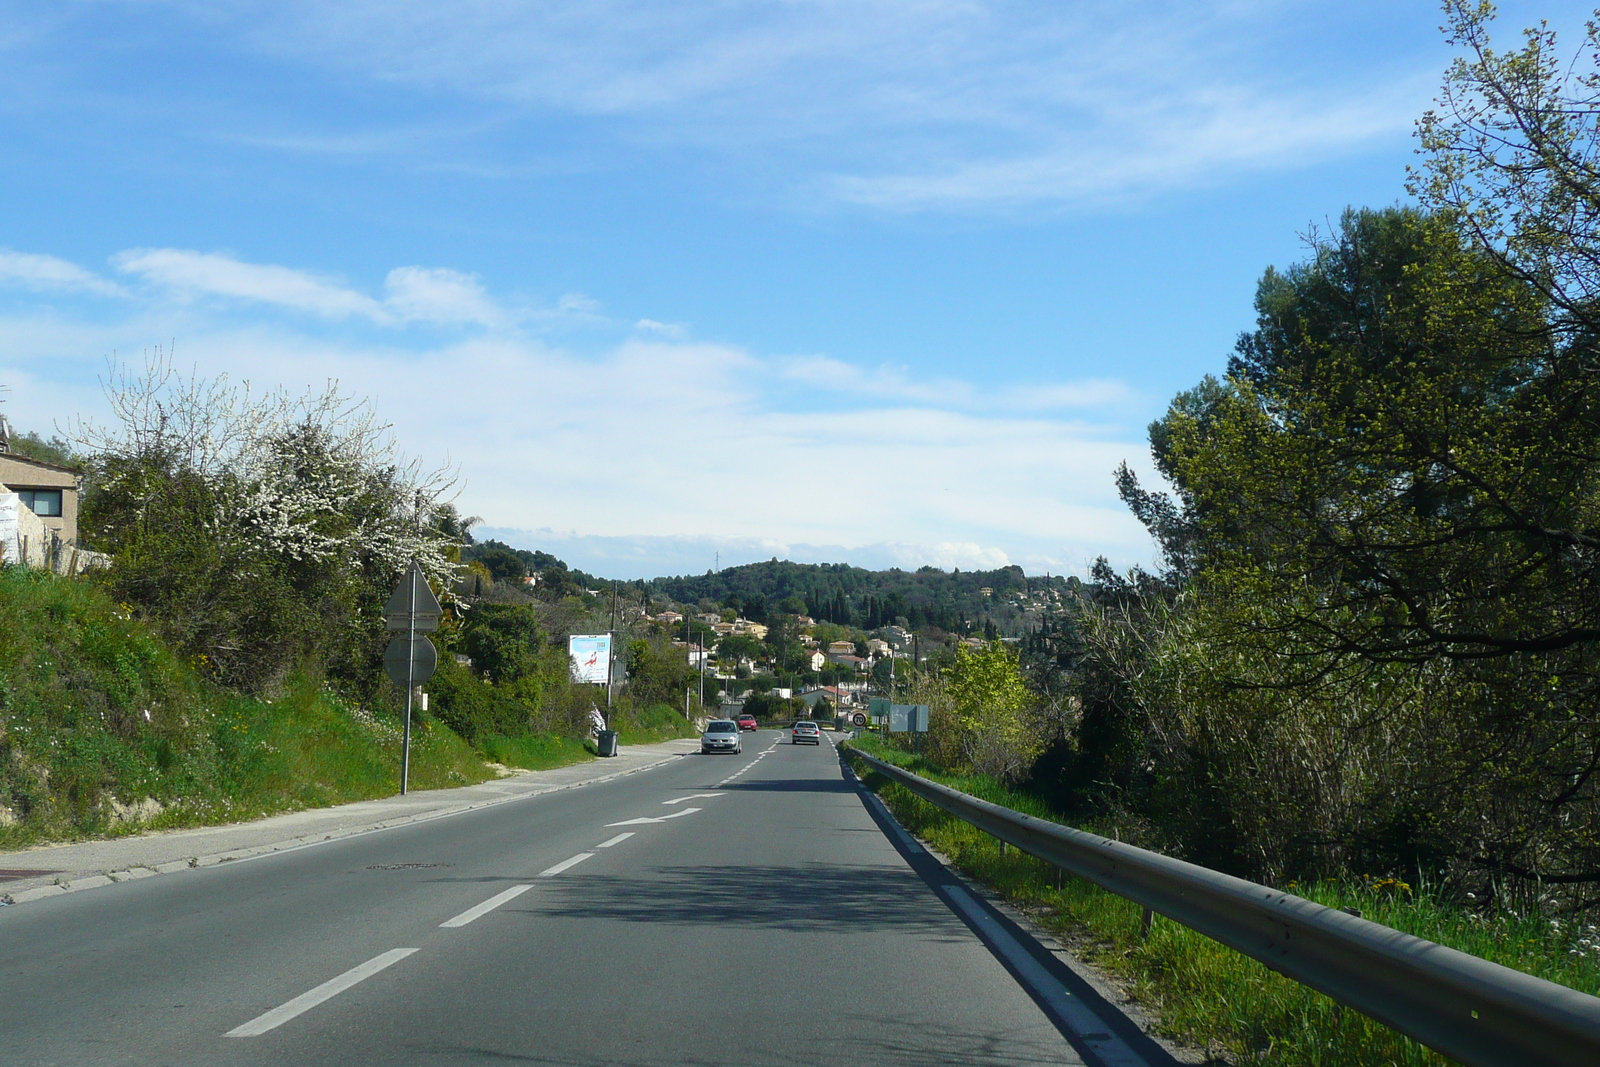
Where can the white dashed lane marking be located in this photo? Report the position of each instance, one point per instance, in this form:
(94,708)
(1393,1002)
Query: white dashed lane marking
(565,865)
(486,907)
(326,991)
(619,839)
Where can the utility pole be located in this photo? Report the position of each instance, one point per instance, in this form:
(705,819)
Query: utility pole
(611,651)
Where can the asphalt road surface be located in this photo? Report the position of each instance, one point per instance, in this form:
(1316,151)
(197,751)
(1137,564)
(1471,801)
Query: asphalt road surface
(738,910)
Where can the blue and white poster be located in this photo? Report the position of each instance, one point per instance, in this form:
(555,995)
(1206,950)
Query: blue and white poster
(591,658)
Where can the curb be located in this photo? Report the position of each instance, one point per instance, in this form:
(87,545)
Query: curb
(293,844)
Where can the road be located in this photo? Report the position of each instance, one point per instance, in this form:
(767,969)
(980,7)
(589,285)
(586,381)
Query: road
(740,910)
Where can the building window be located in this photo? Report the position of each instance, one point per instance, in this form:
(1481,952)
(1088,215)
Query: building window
(43,502)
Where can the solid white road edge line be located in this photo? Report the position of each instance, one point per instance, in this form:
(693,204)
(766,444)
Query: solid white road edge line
(1111,1049)
(565,864)
(619,839)
(326,991)
(487,906)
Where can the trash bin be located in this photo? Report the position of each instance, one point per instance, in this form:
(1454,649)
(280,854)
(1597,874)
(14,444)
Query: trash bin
(607,740)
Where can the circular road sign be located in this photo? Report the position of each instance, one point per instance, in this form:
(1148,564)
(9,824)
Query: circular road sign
(859,719)
(420,654)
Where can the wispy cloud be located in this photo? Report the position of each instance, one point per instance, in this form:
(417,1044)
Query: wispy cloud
(675,330)
(193,274)
(895,105)
(429,295)
(899,384)
(40,273)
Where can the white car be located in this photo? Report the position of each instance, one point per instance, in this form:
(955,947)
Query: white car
(722,735)
(806,732)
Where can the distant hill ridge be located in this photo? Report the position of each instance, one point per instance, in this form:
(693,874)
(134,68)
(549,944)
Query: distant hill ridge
(953,600)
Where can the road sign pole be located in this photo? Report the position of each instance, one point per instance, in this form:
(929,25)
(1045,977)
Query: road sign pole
(411,685)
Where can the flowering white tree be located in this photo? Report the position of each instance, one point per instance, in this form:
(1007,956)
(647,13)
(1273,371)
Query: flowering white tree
(246,522)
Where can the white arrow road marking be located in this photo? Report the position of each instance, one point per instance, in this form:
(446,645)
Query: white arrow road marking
(565,864)
(664,818)
(326,991)
(487,906)
(694,796)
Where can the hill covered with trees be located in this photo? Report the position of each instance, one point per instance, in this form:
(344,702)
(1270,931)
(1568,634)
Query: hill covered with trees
(955,601)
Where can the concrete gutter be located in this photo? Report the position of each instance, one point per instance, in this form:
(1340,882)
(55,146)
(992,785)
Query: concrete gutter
(67,868)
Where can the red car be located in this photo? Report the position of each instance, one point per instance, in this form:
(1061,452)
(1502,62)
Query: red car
(746,722)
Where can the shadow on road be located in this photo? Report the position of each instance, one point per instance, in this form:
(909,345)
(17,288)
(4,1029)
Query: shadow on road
(808,897)
(791,785)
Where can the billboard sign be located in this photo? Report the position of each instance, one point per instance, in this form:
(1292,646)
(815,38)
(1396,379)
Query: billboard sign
(591,658)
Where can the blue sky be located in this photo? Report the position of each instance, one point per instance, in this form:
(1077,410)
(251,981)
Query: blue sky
(887,282)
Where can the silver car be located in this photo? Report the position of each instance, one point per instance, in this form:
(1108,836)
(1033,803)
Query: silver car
(722,735)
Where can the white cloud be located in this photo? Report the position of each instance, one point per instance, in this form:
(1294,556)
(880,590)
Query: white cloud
(675,330)
(659,439)
(211,274)
(898,384)
(29,270)
(413,294)
(421,294)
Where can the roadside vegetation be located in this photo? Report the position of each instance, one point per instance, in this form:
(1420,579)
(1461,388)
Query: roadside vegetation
(227,663)
(1203,994)
(1367,670)
(104,729)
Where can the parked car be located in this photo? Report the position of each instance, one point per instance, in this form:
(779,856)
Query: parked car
(805,733)
(746,722)
(722,735)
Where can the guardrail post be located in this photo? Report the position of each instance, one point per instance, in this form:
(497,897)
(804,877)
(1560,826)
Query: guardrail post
(1144,924)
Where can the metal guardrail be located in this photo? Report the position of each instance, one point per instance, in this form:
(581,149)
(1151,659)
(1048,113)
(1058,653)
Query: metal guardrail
(1469,1009)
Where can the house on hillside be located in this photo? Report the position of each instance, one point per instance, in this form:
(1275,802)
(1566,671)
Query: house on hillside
(815,660)
(48,490)
(38,510)
(842,648)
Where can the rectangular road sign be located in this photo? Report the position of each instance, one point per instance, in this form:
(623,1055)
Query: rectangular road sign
(907,718)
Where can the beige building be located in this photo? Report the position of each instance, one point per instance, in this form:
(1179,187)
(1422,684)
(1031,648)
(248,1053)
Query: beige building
(48,490)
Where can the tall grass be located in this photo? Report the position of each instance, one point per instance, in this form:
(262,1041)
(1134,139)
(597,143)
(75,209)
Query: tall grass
(1207,995)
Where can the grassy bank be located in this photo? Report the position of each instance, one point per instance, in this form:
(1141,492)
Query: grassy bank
(537,752)
(1207,995)
(104,730)
(651,725)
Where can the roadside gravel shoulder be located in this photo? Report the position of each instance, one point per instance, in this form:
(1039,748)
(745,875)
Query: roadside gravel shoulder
(50,870)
